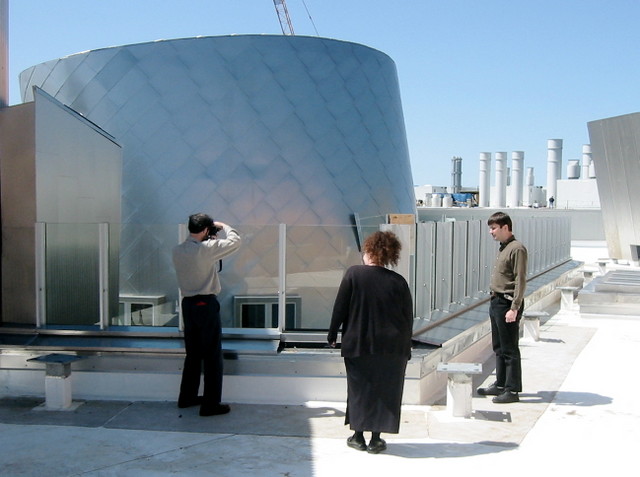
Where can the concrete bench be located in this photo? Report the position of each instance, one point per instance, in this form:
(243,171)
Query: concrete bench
(566,297)
(57,380)
(531,324)
(459,386)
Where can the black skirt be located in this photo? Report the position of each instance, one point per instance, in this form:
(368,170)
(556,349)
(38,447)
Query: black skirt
(374,392)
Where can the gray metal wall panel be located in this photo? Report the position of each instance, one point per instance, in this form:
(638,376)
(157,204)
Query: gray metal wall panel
(460,261)
(60,169)
(425,269)
(72,275)
(473,259)
(487,256)
(78,167)
(78,179)
(17,192)
(615,148)
(444,265)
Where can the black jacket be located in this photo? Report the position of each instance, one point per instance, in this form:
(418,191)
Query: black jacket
(375,309)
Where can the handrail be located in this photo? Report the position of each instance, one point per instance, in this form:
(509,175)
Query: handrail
(430,326)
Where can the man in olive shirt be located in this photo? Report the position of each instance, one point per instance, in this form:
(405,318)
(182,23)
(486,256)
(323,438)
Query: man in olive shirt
(196,261)
(508,283)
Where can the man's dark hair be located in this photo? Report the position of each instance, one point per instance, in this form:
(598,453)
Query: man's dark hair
(199,222)
(501,219)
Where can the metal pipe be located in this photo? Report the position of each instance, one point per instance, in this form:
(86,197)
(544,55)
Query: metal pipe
(501,179)
(531,180)
(573,169)
(456,174)
(554,166)
(517,177)
(586,161)
(485,179)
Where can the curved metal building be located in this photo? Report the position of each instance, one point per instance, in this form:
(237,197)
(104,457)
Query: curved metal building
(256,130)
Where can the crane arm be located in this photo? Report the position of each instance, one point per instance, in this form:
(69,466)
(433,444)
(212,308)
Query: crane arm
(283,17)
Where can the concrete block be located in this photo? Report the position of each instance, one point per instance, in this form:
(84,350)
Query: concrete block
(566,297)
(459,387)
(57,391)
(531,324)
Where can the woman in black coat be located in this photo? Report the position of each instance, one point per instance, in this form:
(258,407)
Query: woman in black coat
(374,308)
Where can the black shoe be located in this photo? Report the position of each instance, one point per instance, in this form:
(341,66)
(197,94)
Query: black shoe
(376,445)
(183,402)
(214,410)
(506,397)
(357,443)
(492,390)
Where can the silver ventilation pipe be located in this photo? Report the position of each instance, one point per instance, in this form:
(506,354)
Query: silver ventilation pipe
(586,161)
(554,166)
(531,180)
(517,177)
(501,179)
(456,174)
(484,189)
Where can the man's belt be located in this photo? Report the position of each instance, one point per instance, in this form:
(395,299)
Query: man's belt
(502,295)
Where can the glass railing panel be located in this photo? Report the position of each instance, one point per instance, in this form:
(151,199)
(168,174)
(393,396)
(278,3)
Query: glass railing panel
(149,294)
(72,283)
(148,289)
(142,291)
(249,280)
(316,259)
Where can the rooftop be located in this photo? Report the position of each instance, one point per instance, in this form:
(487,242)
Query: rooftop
(578,412)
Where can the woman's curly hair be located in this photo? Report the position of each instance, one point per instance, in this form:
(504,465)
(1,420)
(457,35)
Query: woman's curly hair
(383,248)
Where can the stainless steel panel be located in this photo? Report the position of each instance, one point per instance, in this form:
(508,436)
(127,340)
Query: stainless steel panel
(68,173)
(317,258)
(444,265)
(473,259)
(615,147)
(488,251)
(256,130)
(425,270)
(460,261)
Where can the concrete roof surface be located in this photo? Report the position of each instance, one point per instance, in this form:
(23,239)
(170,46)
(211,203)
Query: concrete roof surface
(578,412)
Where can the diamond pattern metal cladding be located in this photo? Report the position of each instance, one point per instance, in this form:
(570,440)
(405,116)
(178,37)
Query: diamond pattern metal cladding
(254,129)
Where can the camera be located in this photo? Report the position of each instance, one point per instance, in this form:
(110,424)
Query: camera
(213,231)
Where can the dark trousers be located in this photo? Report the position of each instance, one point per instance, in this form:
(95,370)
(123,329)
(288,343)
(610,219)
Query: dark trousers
(203,345)
(504,338)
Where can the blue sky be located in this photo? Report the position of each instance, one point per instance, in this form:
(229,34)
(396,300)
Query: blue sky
(475,75)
